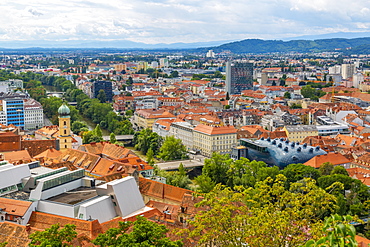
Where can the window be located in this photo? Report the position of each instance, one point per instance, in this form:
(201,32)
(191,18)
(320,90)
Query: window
(81,216)
(65,132)
(65,122)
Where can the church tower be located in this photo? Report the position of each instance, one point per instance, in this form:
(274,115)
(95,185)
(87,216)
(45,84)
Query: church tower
(65,137)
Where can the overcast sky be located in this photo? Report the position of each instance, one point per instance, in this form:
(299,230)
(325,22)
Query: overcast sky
(170,21)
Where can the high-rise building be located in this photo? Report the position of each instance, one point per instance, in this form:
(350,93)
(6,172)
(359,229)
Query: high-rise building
(14,109)
(163,63)
(106,86)
(239,77)
(348,70)
(210,53)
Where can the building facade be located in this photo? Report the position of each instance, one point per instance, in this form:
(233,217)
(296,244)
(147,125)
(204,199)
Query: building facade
(184,132)
(239,77)
(106,86)
(209,139)
(297,133)
(33,114)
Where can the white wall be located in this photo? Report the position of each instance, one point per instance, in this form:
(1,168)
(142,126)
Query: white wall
(27,215)
(56,208)
(100,208)
(38,194)
(61,189)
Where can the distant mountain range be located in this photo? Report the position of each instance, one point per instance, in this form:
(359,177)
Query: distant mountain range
(348,46)
(357,45)
(116,44)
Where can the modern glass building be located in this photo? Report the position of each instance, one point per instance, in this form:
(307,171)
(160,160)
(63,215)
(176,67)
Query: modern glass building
(15,112)
(277,152)
(239,77)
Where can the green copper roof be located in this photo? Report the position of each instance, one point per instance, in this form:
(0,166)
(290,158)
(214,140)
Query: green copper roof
(63,110)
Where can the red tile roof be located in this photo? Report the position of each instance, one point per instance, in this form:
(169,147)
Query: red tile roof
(215,130)
(334,158)
(160,191)
(41,221)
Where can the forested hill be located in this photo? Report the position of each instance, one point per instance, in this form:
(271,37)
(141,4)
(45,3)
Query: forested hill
(358,45)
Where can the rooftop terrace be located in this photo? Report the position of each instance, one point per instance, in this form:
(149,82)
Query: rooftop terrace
(75,196)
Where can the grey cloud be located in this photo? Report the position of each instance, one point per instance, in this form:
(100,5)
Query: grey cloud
(35,12)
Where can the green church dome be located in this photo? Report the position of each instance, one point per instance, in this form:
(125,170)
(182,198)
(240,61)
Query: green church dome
(63,110)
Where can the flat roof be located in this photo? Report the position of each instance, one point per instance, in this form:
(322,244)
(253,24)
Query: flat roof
(41,170)
(57,175)
(75,196)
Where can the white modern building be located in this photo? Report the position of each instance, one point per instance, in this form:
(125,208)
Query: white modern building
(348,70)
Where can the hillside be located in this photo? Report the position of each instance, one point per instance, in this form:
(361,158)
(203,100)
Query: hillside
(358,45)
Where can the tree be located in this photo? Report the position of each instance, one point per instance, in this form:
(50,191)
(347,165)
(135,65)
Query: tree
(295,106)
(177,178)
(150,157)
(112,138)
(338,233)
(78,126)
(102,97)
(146,139)
(312,93)
(216,167)
(267,215)
(287,95)
(54,236)
(89,137)
(130,81)
(129,113)
(339,170)
(326,168)
(97,131)
(296,172)
(144,233)
(172,149)
(174,74)
(204,183)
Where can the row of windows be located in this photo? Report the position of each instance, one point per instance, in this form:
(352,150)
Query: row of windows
(50,173)
(63,179)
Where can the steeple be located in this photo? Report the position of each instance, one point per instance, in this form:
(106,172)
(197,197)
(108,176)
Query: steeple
(65,137)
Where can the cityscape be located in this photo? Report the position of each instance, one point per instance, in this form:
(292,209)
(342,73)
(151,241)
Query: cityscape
(180,124)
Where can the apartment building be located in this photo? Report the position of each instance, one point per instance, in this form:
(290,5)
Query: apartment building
(184,132)
(209,139)
(297,133)
(145,118)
